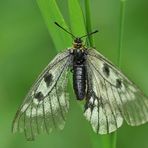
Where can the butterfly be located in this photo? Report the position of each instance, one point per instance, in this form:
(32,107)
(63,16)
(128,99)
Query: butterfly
(110,97)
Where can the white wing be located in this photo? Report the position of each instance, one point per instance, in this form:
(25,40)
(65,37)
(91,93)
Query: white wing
(46,104)
(111,96)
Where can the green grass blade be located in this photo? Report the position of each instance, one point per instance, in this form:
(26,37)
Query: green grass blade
(88,21)
(114,140)
(51,13)
(109,140)
(76,18)
(121,29)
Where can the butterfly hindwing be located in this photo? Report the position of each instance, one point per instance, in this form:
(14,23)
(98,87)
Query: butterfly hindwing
(111,96)
(46,104)
(100,110)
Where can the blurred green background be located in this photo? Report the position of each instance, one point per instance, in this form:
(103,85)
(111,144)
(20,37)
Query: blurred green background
(26,48)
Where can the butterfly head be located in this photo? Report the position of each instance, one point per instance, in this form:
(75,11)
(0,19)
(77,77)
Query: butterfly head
(78,43)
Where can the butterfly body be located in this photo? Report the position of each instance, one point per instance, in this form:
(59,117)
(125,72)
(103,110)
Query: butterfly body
(79,69)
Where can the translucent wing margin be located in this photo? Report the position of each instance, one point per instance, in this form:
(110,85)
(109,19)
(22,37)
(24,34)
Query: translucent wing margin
(46,104)
(111,96)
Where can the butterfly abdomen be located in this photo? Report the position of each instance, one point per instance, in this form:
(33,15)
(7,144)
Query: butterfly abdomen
(79,74)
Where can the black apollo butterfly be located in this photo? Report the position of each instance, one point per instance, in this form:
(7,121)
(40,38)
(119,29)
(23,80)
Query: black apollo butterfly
(109,96)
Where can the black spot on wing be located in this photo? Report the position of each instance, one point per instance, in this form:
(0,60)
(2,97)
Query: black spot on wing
(106,70)
(39,96)
(118,83)
(90,104)
(48,78)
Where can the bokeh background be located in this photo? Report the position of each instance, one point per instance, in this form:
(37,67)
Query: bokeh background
(26,48)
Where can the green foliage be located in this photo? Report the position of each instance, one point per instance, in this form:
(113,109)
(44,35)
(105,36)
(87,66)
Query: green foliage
(26,48)
(51,14)
(76,18)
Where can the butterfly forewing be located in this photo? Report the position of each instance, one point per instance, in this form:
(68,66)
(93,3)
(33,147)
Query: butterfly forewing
(46,104)
(111,96)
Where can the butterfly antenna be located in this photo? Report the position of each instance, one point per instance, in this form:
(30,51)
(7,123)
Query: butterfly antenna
(64,29)
(89,34)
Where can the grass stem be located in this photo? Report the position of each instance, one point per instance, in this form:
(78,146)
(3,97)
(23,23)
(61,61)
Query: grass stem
(121,30)
(88,22)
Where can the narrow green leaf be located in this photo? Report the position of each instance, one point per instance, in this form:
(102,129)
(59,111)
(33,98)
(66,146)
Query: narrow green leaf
(76,18)
(121,29)
(51,14)
(88,21)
